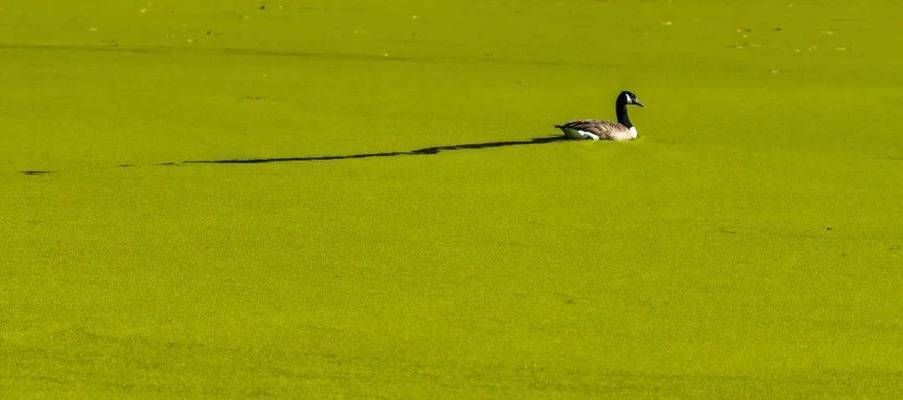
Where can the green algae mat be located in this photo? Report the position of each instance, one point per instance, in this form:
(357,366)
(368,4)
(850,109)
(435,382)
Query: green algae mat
(324,199)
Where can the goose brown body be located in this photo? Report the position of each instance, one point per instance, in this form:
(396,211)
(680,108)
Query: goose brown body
(602,130)
(595,129)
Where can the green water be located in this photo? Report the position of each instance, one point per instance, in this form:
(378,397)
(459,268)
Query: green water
(748,245)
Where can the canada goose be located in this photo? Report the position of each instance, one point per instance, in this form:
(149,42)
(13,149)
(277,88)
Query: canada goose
(605,130)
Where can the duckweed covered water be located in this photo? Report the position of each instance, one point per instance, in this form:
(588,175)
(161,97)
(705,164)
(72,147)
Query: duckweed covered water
(748,245)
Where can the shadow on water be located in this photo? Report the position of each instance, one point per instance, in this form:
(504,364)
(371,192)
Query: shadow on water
(418,152)
(426,151)
(33,172)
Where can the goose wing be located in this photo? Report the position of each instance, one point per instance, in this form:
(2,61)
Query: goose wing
(603,129)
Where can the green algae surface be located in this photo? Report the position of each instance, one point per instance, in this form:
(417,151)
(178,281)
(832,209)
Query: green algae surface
(748,245)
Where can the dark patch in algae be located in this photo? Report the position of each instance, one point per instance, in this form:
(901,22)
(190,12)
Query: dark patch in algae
(32,172)
(418,152)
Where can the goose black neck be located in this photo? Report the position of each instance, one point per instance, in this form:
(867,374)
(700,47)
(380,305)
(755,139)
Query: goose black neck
(621,111)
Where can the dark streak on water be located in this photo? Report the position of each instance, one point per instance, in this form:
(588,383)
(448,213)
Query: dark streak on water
(417,152)
(426,151)
(32,172)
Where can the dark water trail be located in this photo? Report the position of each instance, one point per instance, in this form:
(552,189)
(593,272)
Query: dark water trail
(418,152)
(425,151)
(31,172)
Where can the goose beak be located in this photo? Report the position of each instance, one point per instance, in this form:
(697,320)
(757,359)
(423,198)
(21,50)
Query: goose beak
(637,102)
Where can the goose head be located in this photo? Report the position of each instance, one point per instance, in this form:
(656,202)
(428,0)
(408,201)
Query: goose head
(628,98)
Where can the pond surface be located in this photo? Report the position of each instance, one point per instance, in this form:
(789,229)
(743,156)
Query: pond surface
(369,200)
